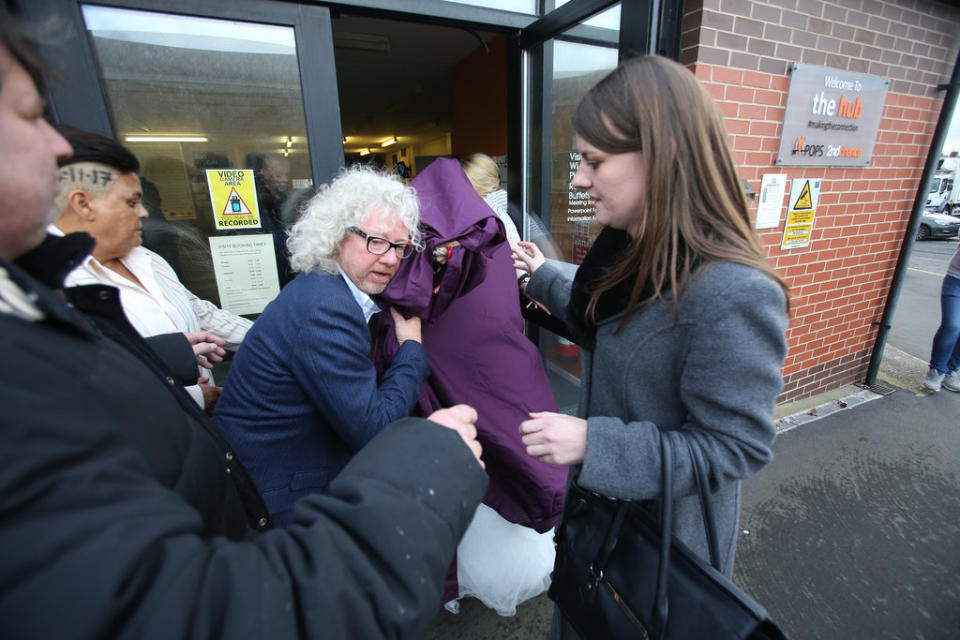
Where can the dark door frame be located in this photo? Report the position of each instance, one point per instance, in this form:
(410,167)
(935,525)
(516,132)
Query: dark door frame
(646,26)
(79,98)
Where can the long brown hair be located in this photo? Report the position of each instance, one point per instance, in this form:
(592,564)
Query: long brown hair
(694,210)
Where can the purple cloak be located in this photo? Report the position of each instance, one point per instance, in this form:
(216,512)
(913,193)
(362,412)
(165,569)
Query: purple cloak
(473,336)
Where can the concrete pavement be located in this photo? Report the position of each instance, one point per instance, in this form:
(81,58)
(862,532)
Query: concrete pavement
(852,532)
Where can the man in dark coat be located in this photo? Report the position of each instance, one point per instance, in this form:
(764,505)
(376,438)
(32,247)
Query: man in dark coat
(124,515)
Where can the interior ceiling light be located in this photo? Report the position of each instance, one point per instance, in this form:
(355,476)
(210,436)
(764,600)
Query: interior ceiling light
(389,142)
(364,152)
(166,138)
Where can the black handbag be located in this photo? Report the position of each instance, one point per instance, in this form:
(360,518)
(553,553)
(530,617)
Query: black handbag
(619,573)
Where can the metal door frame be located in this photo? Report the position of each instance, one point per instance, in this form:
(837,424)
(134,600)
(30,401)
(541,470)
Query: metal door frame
(646,26)
(79,98)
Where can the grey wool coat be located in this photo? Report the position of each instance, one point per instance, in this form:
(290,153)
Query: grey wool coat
(710,378)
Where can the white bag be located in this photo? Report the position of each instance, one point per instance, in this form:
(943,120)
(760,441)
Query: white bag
(501,563)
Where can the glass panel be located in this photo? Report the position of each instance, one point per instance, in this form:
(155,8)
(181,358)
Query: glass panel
(576,68)
(606,19)
(516,6)
(571,214)
(192,94)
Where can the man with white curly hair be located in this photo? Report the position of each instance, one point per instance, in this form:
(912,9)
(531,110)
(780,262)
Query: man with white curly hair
(303,395)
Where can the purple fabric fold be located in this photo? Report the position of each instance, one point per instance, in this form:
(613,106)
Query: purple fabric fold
(473,336)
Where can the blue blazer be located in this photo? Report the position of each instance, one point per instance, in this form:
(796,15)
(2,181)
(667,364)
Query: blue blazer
(302,396)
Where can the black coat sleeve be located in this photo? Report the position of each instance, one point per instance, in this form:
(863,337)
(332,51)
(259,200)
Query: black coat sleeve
(96,547)
(174,350)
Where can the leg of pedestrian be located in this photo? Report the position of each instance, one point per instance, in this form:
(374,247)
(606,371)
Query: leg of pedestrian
(951,382)
(945,352)
(934,380)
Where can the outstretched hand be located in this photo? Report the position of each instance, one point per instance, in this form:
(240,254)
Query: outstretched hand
(555,438)
(207,347)
(461,418)
(527,257)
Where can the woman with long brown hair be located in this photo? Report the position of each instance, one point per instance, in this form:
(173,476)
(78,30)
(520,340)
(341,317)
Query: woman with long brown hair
(681,319)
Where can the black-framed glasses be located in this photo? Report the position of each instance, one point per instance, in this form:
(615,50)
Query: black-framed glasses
(379,246)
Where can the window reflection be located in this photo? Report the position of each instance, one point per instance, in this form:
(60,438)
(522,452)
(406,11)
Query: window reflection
(571,214)
(517,6)
(606,19)
(577,67)
(191,94)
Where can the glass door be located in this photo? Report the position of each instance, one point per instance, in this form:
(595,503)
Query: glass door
(209,106)
(561,56)
(232,111)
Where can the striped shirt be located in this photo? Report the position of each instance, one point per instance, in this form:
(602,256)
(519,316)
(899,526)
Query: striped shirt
(160,303)
(497,201)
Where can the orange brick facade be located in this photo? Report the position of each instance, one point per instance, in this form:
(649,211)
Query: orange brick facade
(741,50)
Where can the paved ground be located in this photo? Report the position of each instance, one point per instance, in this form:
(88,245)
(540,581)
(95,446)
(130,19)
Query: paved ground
(853,532)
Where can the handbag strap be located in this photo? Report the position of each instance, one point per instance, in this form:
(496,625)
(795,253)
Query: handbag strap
(661,604)
(706,504)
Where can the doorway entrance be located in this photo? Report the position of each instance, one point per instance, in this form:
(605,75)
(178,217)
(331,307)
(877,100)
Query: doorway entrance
(411,92)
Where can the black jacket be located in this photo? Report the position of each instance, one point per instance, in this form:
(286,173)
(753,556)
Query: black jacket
(122,514)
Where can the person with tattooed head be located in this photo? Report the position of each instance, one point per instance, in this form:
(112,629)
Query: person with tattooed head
(101,194)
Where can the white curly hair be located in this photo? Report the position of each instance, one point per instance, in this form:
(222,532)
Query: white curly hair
(345,202)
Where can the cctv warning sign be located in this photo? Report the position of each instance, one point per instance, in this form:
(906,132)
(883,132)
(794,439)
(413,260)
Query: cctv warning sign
(233,195)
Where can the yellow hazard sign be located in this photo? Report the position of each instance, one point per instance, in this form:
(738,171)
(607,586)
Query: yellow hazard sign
(804,195)
(804,201)
(800,217)
(233,195)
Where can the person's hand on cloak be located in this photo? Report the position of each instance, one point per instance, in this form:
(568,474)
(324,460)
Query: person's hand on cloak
(441,253)
(527,258)
(555,438)
(461,418)
(406,328)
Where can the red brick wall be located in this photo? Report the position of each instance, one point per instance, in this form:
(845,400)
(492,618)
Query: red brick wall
(741,50)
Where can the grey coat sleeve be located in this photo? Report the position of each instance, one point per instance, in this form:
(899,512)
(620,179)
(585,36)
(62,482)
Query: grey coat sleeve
(550,285)
(728,380)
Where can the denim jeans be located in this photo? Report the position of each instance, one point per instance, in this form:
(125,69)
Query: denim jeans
(945,355)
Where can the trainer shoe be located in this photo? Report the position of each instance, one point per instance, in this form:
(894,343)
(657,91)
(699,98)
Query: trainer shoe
(951,382)
(934,380)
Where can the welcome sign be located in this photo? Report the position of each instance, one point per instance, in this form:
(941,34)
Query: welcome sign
(832,117)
